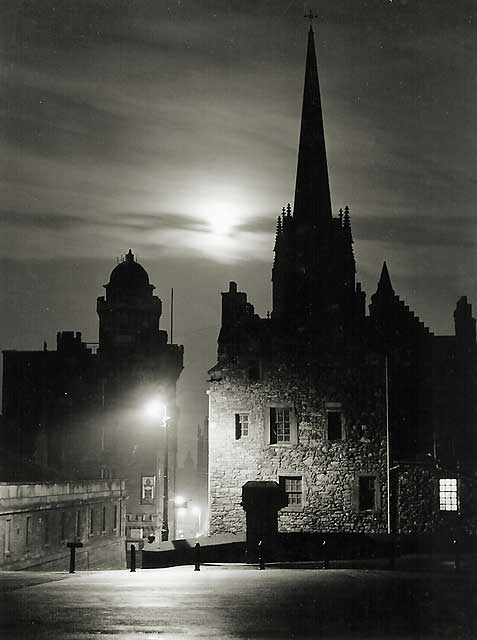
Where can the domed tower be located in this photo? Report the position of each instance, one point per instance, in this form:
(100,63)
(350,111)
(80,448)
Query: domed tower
(129,314)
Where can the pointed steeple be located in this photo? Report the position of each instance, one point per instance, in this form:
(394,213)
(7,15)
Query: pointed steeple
(312,191)
(384,284)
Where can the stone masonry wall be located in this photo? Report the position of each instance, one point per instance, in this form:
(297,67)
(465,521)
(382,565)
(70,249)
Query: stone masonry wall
(418,502)
(329,469)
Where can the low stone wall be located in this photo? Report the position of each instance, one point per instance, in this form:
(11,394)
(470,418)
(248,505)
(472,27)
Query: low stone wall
(37,520)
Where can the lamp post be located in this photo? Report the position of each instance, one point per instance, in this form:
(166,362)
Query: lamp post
(165,497)
(156,409)
(198,512)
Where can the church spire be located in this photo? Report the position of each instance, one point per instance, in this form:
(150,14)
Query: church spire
(384,284)
(312,191)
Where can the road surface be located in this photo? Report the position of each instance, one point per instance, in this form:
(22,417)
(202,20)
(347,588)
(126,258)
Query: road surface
(239,602)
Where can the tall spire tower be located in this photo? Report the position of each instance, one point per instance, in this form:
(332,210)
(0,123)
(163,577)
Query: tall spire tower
(314,269)
(312,191)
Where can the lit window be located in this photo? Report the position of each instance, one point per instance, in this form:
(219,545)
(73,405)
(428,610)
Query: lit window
(241,425)
(292,486)
(367,493)
(279,425)
(448,494)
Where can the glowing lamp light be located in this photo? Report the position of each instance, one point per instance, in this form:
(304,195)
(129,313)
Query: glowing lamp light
(154,408)
(179,501)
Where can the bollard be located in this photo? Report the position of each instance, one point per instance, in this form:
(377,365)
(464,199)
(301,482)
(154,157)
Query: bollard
(72,559)
(261,560)
(455,543)
(197,556)
(133,557)
(325,555)
(72,546)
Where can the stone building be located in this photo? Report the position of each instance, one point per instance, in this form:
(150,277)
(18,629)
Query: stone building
(38,520)
(81,411)
(326,418)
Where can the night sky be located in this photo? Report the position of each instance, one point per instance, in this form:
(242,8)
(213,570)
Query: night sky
(171,128)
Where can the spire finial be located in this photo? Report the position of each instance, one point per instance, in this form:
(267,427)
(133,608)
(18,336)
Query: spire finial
(384,284)
(310,16)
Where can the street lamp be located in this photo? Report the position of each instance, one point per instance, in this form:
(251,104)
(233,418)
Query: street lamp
(157,410)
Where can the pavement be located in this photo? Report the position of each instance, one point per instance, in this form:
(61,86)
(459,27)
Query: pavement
(238,601)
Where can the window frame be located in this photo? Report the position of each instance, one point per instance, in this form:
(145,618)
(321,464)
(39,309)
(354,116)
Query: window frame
(274,406)
(453,494)
(91,522)
(28,531)
(103,519)
(336,409)
(46,529)
(283,476)
(357,491)
(239,432)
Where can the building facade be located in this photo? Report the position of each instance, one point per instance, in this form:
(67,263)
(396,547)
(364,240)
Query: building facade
(348,420)
(37,521)
(83,411)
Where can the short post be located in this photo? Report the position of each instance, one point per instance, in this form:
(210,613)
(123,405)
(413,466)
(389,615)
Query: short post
(72,546)
(72,559)
(197,556)
(455,543)
(261,560)
(133,557)
(325,555)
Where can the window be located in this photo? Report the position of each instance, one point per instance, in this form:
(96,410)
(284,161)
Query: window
(292,486)
(335,427)
(367,493)
(448,494)
(91,521)
(280,425)
(8,535)
(103,520)
(147,489)
(28,531)
(115,518)
(46,529)
(241,425)
(63,526)
(78,524)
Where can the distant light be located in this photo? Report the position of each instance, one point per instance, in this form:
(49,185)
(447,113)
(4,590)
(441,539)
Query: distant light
(179,501)
(196,510)
(154,408)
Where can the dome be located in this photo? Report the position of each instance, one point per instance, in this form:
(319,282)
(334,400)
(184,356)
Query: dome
(129,275)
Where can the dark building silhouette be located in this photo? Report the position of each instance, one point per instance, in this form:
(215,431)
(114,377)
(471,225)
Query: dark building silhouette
(79,411)
(338,408)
